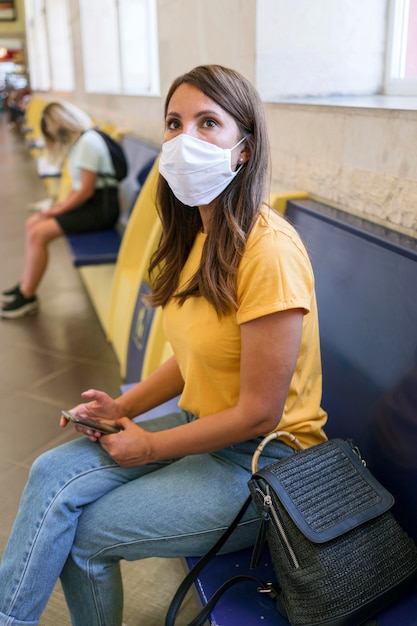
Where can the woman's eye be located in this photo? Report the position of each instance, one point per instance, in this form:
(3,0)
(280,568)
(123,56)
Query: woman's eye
(172,124)
(209,123)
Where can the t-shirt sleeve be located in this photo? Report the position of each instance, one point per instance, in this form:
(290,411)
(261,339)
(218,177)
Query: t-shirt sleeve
(275,275)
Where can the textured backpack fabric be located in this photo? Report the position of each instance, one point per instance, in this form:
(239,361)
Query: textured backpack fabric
(338,553)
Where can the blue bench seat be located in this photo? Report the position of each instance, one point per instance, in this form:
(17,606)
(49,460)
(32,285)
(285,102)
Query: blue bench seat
(243,605)
(94,248)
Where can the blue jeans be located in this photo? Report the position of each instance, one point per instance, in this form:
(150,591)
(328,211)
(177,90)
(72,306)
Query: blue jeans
(81,513)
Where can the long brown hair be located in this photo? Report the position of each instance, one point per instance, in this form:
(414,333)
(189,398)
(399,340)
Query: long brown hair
(236,207)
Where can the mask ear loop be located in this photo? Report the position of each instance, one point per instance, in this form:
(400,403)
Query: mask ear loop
(240,161)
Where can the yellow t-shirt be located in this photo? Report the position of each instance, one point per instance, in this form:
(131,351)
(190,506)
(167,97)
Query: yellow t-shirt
(274,274)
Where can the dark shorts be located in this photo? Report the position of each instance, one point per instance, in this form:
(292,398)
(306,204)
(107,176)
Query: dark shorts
(100,212)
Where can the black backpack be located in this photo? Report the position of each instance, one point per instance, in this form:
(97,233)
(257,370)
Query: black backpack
(117,155)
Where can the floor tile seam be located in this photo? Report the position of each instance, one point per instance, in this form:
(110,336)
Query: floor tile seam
(32,386)
(13,466)
(71,365)
(83,359)
(29,345)
(27,461)
(40,397)
(57,354)
(93,361)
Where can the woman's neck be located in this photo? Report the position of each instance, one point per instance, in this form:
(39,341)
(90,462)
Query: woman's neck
(206,214)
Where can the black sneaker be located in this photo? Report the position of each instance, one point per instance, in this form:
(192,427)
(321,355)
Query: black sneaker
(10,294)
(20,306)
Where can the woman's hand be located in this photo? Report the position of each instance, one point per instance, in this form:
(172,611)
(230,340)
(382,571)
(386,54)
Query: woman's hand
(131,446)
(44,215)
(100,405)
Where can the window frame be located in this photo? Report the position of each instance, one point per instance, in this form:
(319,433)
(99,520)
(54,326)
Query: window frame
(395,83)
(117,83)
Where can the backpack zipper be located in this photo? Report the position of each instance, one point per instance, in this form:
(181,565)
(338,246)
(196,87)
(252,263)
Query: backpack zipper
(269,507)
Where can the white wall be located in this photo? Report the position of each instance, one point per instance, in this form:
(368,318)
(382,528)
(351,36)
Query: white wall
(361,159)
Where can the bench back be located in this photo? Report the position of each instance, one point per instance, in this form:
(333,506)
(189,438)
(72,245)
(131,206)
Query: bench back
(140,239)
(366,285)
(140,328)
(140,157)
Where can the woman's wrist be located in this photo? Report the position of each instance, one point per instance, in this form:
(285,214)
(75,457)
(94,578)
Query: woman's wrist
(48,213)
(121,409)
(52,212)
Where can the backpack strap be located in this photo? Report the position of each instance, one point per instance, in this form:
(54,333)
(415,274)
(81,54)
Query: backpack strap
(193,573)
(117,157)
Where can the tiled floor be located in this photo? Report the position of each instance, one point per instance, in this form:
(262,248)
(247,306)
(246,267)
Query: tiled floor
(46,361)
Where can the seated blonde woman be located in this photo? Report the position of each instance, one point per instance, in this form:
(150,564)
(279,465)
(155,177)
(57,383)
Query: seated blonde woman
(92,204)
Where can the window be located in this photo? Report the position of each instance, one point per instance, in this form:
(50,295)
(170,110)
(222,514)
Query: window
(124,58)
(49,45)
(320,49)
(60,45)
(401,71)
(119,46)
(40,72)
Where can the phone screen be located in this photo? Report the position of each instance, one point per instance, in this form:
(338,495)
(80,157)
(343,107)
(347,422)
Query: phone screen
(102,426)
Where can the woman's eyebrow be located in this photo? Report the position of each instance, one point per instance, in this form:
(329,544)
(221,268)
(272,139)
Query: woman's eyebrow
(197,115)
(206,112)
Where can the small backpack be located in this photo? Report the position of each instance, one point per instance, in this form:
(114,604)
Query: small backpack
(339,555)
(117,155)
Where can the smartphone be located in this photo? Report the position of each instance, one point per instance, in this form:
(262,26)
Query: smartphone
(103,426)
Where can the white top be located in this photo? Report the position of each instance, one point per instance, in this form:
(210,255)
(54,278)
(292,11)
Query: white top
(91,153)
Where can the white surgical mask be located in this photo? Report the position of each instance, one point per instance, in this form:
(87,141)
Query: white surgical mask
(196,171)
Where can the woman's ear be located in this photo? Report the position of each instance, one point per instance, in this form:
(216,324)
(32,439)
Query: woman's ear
(244,154)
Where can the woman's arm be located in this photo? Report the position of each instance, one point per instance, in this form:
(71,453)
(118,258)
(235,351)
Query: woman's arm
(270,346)
(76,197)
(162,385)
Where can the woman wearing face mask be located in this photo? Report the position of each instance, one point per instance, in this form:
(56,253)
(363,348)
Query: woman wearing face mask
(92,204)
(239,310)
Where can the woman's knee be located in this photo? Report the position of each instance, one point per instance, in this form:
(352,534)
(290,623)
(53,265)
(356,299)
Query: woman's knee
(41,232)
(62,460)
(33,231)
(71,475)
(48,466)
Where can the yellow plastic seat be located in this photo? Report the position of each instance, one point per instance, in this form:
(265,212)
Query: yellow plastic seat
(278,200)
(158,349)
(139,242)
(32,125)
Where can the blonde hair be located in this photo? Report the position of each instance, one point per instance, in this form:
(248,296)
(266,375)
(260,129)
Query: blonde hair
(62,123)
